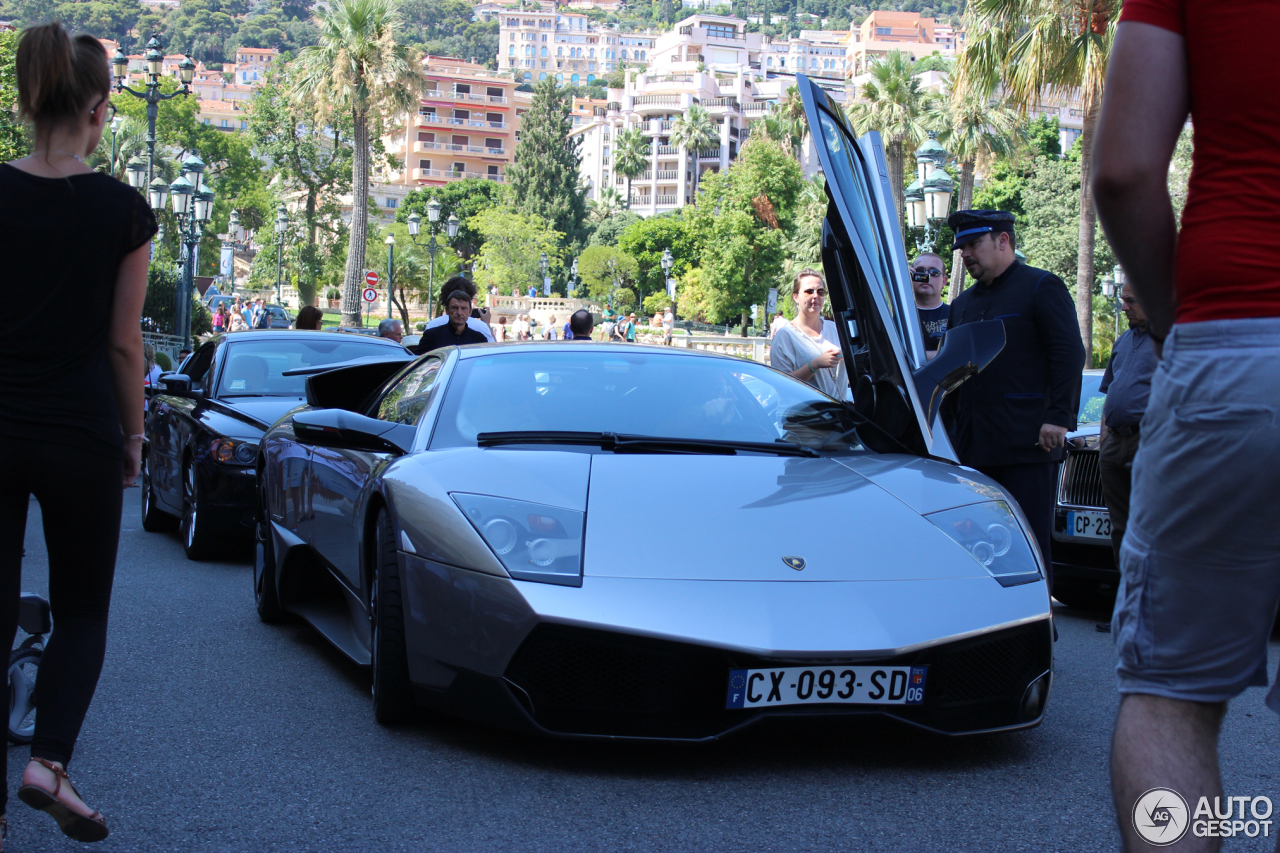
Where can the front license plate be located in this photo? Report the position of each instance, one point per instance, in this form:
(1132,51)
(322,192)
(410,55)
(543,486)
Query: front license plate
(850,685)
(1089,525)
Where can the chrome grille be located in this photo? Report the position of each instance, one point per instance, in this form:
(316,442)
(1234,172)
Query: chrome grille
(1082,480)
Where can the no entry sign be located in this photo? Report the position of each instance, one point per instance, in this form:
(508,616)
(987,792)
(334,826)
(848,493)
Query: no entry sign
(371,278)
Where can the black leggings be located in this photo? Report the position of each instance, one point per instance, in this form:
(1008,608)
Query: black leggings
(80,498)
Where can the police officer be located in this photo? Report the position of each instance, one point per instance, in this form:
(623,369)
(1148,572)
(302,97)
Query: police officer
(1011,421)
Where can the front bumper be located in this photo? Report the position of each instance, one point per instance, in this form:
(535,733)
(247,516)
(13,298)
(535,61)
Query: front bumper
(1080,557)
(229,494)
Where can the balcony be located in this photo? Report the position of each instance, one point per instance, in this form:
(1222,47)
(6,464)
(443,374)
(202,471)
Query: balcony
(668,175)
(497,152)
(709,154)
(449,146)
(670,150)
(733,131)
(427,146)
(756,110)
(427,119)
(642,200)
(720,103)
(658,100)
(604,161)
(666,199)
(498,124)
(461,122)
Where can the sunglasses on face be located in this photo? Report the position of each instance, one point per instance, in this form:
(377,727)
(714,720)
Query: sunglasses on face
(933,272)
(822,291)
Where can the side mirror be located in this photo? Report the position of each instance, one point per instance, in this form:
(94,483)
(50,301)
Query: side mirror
(177,384)
(346,430)
(966,350)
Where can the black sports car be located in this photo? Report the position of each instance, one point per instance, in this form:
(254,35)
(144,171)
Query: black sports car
(204,425)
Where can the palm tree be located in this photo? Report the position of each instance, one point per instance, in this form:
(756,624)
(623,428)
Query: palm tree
(130,141)
(357,67)
(786,122)
(630,156)
(893,103)
(694,131)
(973,130)
(1032,47)
(609,204)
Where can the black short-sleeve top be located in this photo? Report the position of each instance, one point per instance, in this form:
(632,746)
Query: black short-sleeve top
(62,241)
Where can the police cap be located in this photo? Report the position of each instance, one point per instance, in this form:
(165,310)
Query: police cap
(969,225)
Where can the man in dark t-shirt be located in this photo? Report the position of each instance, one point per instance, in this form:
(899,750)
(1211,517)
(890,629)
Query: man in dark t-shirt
(933,311)
(454,333)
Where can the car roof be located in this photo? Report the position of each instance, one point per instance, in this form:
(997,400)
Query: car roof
(477,350)
(296,334)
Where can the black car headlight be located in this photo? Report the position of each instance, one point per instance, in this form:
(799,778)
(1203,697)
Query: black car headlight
(990,532)
(228,451)
(534,542)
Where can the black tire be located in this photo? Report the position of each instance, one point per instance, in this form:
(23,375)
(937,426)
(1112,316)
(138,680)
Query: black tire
(154,519)
(24,663)
(392,694)
(1085,595)
(265,592)
(197,533)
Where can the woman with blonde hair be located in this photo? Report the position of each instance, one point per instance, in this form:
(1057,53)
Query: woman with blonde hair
(70,408)
(809,347)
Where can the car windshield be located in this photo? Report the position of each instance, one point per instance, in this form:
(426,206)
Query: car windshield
(584,390)
(1091,399)
(254,367)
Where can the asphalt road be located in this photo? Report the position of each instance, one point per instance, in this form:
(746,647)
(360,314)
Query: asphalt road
(212,732)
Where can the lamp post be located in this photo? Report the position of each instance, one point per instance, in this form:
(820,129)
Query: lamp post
(152,95)
(667,263)
(282,225)
(237,237)
(415,226)
(115,128)
(928,198)
(192,206)
(573,276)
(546,285)
(391,270)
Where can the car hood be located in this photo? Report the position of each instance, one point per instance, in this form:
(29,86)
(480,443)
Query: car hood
(261,412)
(735,518)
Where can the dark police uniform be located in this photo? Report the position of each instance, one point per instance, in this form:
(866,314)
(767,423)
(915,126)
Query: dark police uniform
(995,417)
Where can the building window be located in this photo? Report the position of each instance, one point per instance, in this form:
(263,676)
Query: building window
(424,164)
(718,31)
(884,31)
(542,76)
(392,202)
(460,168)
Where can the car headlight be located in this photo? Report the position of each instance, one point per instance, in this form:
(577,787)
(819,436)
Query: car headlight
(534,542)
(231,452)
(992,535)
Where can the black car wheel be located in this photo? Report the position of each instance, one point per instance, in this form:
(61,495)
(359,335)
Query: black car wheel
(392,696)
(265,593)
(1085,594)
(154,519)
(197,537)
(24,663)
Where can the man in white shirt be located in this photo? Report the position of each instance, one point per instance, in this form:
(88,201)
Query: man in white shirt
(668,326)
(466,285)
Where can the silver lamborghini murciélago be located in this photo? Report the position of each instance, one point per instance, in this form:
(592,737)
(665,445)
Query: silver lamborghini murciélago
(634,542)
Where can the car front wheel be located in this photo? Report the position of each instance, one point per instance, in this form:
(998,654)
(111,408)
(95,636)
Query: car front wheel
(197,535)
(392,695)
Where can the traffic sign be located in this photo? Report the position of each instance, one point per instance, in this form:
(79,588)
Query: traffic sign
(371,293)
(371,278)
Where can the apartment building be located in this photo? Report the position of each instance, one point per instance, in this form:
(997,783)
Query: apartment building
(566,46)
(908,32)
(465,126)
(817,53)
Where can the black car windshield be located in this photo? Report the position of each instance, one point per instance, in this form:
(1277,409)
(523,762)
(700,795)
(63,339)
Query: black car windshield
(1091,399)
(584,390)
(254,367)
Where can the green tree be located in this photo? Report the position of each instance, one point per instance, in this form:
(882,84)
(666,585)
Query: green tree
(464,199)
(607,231)
(413,277)
(310,152)
(358,68)
(647,239)
(544,177)
(14,140)
(513,245)
(893,103)
(609,205)
(786,122)
(803,245)
(973,130)
(605,271)
(630,156)
(694,131)
(1030,48)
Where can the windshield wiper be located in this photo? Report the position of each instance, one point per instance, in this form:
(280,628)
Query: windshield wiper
(642,443)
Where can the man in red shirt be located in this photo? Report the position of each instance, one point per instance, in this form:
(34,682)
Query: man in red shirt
(1200,562)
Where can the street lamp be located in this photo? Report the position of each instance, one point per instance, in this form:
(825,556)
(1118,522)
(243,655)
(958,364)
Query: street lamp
(573,276)
(667,263)
(391,274)
(135,172)
(546,285)
(192,207)
(415,226)
(115,128)
(152,95)
(282,225)
(928,198)
(236,235)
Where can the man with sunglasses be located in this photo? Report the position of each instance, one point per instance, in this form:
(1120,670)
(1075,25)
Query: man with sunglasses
(926,282)
(1127,384)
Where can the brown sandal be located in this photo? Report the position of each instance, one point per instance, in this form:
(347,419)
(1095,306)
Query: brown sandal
(73,824)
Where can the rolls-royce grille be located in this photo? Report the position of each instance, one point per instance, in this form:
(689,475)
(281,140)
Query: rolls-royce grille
(585,681)
(1082,480)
